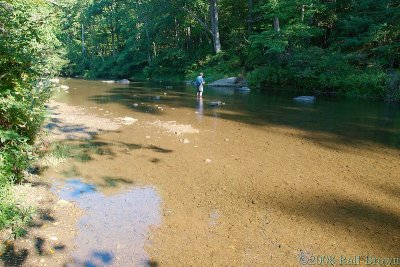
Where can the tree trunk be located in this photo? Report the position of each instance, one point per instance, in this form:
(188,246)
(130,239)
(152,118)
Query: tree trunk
(276,24)
(214,25)
(83,43)
(148,43)
(113,42)
(250,18)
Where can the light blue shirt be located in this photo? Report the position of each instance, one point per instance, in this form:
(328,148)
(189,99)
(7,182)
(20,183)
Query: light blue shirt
(199,80)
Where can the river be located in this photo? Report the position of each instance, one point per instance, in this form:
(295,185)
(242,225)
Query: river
(261,180)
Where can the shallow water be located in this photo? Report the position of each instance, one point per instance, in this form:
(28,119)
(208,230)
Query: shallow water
(350,120)
(254,182)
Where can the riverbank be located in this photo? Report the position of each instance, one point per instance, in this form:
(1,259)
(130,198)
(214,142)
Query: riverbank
(51,226)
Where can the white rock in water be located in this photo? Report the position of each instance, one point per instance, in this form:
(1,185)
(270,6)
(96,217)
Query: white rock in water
(308,99)
(128,120)
(64,87)
(136,105)
(215,104)
(244,88)
(108,81)
(124,81)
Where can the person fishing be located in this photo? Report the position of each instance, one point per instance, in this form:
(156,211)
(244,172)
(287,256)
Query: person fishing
(200,85)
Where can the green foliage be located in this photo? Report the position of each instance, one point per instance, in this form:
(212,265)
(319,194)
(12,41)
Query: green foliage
(12,216)
(334,46)
(28,58)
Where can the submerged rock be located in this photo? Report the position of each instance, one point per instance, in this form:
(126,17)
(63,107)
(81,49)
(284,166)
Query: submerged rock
(305,99)
(127,120)
(216,104)
(124,81)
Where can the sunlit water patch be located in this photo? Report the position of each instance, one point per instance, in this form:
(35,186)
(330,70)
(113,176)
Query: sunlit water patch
(114,229)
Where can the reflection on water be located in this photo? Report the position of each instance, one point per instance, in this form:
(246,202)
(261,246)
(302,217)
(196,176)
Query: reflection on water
(199,108)
(351,121)
(114,230)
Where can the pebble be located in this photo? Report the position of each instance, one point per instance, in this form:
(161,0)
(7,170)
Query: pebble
(136,105)
(63,202)
(185,141)
(53,238)
(208,160)
(147,137)
(226,140)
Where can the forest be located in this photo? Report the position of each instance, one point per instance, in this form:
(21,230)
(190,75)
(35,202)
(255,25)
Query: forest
(343,47)
(328,46)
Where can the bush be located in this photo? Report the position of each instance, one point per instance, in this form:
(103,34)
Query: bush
(28,59)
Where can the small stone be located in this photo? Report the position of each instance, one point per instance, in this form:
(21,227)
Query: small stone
(63,202)
(226,140)
(53,238)
(165,93)
(147,137)
(135,104)
(185,141)
(208,160)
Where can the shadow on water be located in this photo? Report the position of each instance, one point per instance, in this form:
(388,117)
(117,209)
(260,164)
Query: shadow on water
(114,229)
(368,222)
(328,120)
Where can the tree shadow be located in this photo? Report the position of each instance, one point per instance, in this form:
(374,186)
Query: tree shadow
(13,257)
(352,122)
(110,181)
(367,222)
(152,263)
(39,243)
